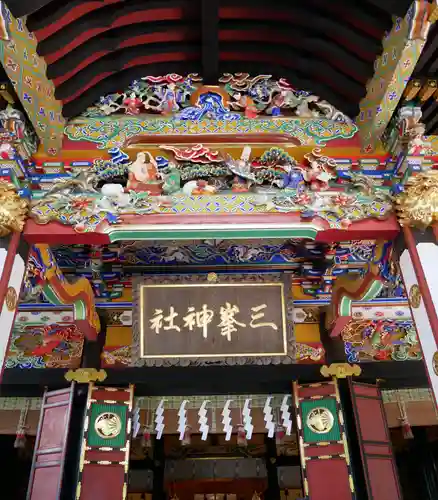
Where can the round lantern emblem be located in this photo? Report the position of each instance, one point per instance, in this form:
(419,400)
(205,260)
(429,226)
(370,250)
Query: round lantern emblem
(11,298)
(108,425)
(320,420)
(415,296)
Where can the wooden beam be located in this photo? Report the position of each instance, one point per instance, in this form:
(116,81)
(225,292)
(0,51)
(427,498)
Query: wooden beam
(210,41)
(27,72)
(393,69)
(412,89)
(214,379)
(427,91)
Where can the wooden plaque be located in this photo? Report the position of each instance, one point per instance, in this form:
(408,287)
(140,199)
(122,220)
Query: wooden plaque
(232,319)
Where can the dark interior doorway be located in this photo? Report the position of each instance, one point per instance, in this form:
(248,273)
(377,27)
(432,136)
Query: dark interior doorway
(417,462)
(15,465)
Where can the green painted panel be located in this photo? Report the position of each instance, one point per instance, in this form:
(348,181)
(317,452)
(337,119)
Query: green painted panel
(313,437)
(304,232)
(94,439)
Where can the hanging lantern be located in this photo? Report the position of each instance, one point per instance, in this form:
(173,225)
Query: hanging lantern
(280,433)
(241,436)
(146,438)
(187,438)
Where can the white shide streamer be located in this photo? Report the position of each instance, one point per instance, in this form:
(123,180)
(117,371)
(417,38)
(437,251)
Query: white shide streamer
(247,419)
(226,420)
(285,415)
(159,419)
(182,419)
(203,420)
(269,418)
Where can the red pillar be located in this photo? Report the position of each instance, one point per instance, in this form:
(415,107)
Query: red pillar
(13,257)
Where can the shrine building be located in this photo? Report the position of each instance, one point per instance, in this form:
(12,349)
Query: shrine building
(218,250)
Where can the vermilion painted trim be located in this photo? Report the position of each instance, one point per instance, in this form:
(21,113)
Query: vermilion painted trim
(55,233)
(262,14)
(139,61)
(9,264)
(181,35)
(71,16)
(422,282)
(254,138)
(170,14)
(271,36)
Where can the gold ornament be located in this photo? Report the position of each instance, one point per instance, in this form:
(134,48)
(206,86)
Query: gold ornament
(11,298)
(108,425)
(85,375)
(340,370)
(320,420)
(415,296)
(212,277)
(13,209)
(435,363)
(417,205)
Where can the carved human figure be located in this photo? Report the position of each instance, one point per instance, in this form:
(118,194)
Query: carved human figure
(133,104)
(169,104)
(246,103)
(317,176)
(417,146)
(142,172)
(7,151)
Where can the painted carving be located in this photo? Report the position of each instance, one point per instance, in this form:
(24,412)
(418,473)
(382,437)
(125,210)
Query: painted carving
(42,345)
(143,175)
(13,209)
(16,134)
(371,340)
(406,133)
(319,170)
(182,178)
(163,94)
(43,272)
(239,95)
(417,205)
(208,103)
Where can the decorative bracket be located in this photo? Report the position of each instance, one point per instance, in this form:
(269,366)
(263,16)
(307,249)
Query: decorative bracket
(341,370)
(85,375)
(58,290)
(347,289)
(402,48)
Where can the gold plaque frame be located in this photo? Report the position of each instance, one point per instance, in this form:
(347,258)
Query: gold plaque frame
(139,347)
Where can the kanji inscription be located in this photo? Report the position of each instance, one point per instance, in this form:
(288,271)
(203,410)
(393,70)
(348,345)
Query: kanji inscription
(212,320)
